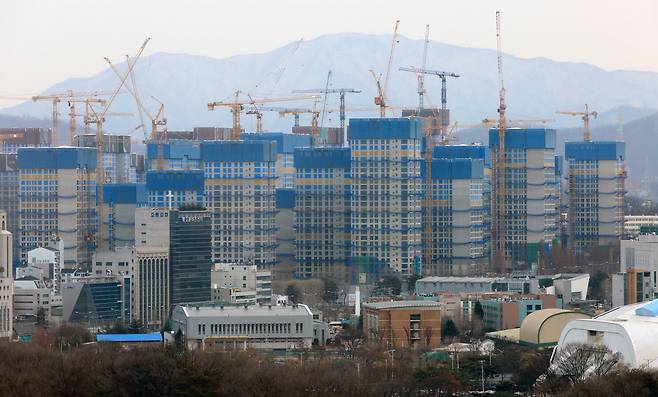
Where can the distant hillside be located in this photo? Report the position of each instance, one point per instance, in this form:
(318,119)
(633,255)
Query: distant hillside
(536,87)
(9,121)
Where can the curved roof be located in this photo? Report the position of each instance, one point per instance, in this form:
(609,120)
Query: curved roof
(630,330)
(544,326)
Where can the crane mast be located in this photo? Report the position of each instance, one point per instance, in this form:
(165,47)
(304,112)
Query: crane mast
(421,76)
(498,230)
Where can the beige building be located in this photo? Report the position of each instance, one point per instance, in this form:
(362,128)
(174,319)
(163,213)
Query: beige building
(543,328)
(403,324)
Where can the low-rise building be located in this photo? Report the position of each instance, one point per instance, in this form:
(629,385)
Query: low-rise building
(411,324)
(633,224)
(242,279)
(30,296)
(241,327)
(510,311)
(115,263)
(433,285)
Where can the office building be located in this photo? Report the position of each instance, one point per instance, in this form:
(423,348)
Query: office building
(117,159)
(529,207)
(238,280)
(10,197)
(94,302)
(115,263)
(30,296)
(322,213)
(189,256)
(241,197)
(173,188)
(6,279)
(242,327)
(595,189)
(457,216)
(57,199)
(386,192)
(149,283)
(119,204)
(403,324)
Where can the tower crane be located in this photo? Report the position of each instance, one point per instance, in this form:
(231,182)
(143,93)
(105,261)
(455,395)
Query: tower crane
(380,99)
(421,76)
(444,90)
(98,118)
(340,91)
(69,96)
(156,121)
(585,117)
(429,143)
(238,104)
(499,158)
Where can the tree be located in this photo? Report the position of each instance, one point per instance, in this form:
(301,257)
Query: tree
(388,285)
(449,329)
(41,316)
(411,282)
(330,291)
(577,362)
(596,285)
(293,293)
(478,311)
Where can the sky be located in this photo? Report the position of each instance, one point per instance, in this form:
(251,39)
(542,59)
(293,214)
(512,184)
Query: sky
(44,42)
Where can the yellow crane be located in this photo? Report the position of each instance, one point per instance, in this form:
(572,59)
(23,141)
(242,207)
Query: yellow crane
(69,96)
(98,118)
(382,90)
(157,121)
(236,106)
(499,159)
(585,117)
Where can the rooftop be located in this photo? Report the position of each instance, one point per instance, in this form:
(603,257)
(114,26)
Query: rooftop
(452,279)
(400,304)
(243,311)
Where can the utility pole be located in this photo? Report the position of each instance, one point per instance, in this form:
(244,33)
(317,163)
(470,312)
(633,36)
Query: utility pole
(482,373)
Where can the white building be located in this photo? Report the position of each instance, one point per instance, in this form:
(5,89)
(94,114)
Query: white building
(116,263)
(239,281)
(149,280)
(6,279)
(569,287)
(633,223)
(629,330)
(30,296)
(242,327)
(641,253)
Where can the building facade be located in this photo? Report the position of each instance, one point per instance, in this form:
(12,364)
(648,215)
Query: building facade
(403,324)
(189,256)
(57,199)
(174,188)
(117,159)
(530,209)
(457,214)
(386,192)
(595,189)
(6,279)
(242,327)
(322,213)
(244,277)
(433,285)
(286,143)
(119,204)
(241,197)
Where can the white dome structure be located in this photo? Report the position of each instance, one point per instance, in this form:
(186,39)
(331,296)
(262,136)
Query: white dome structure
(630,330)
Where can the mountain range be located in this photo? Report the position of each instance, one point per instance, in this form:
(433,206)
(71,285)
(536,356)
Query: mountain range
(536,87)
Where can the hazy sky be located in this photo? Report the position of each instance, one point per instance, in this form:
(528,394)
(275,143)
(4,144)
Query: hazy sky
(43,42)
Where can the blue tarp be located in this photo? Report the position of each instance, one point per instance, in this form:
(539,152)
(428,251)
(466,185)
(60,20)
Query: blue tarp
(285,142)
(56,158)
(463,152)
(285,198)
(456,169)
(125,193)
(601,150)
(174,180)
(524,138)
(150,337)
(322,158)
(386,128)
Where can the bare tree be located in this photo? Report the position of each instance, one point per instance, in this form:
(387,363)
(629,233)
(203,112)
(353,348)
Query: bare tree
(577,362)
